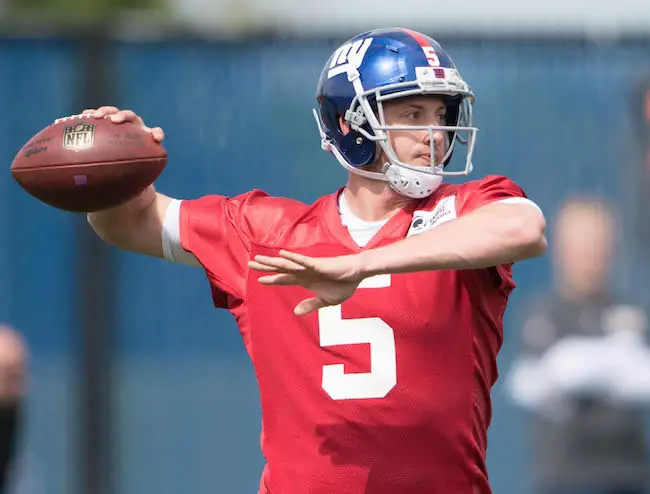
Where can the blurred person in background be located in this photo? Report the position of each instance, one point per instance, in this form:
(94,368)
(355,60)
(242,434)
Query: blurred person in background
(13,357)
(387,392)
(584,367)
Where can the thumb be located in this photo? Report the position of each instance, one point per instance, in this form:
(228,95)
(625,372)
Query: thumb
(309,305)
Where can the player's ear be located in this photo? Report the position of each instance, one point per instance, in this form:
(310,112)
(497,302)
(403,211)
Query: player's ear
(343,125)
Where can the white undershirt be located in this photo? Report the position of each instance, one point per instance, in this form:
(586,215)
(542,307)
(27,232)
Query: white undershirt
(171,236)
(361,231)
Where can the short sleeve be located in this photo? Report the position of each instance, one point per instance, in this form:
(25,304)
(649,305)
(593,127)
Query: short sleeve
(491,189)
(215,230)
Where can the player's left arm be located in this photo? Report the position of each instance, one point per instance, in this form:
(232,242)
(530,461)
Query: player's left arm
(491,235)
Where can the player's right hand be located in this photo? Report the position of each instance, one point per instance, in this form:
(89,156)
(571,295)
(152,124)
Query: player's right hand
(332,279)
(119,116)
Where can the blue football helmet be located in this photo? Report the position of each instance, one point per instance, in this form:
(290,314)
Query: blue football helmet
(379,66)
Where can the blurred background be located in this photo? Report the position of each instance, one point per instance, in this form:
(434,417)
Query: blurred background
(127,381)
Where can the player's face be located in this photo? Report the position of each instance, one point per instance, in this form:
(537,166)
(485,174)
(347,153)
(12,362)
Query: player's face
(413,146)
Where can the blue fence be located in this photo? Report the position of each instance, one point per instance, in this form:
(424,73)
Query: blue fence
(552,116)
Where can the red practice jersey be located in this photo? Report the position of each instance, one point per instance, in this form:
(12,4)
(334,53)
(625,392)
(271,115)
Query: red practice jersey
(388,393)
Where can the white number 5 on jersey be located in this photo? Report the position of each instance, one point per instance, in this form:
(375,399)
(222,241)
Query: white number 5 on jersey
(334,330)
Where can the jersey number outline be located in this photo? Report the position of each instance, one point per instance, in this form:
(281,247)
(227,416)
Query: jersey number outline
(432,56)
(334,330)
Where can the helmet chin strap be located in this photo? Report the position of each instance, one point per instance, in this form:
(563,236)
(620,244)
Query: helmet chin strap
(411,183)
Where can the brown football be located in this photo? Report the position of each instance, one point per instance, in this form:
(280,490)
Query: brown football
(84,164)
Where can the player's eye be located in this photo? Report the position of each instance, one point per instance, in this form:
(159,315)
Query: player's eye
(411,115)
(442,120)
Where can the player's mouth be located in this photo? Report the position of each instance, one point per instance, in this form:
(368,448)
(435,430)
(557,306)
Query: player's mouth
(423,159)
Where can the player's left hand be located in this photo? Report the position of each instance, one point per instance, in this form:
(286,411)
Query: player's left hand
(332,279)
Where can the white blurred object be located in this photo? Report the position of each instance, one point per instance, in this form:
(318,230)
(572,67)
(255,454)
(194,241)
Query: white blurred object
(591,17)
(529,386)
(630,369)
(615,367)
(527,383)
(578,364)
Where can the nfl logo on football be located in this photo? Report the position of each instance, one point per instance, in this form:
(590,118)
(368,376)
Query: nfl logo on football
(78,137)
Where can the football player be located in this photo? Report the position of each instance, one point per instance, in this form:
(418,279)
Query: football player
(376,357)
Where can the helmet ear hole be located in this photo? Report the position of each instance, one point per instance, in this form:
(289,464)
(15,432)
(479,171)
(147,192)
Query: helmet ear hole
(343,126)
(356,149)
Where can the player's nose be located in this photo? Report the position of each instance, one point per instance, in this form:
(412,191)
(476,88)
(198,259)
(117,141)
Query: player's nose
(438,137)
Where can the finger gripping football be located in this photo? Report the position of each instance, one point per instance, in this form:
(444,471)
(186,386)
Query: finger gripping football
(84,164)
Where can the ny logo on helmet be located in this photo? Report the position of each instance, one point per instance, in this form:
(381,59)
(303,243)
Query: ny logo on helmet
(349,55)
